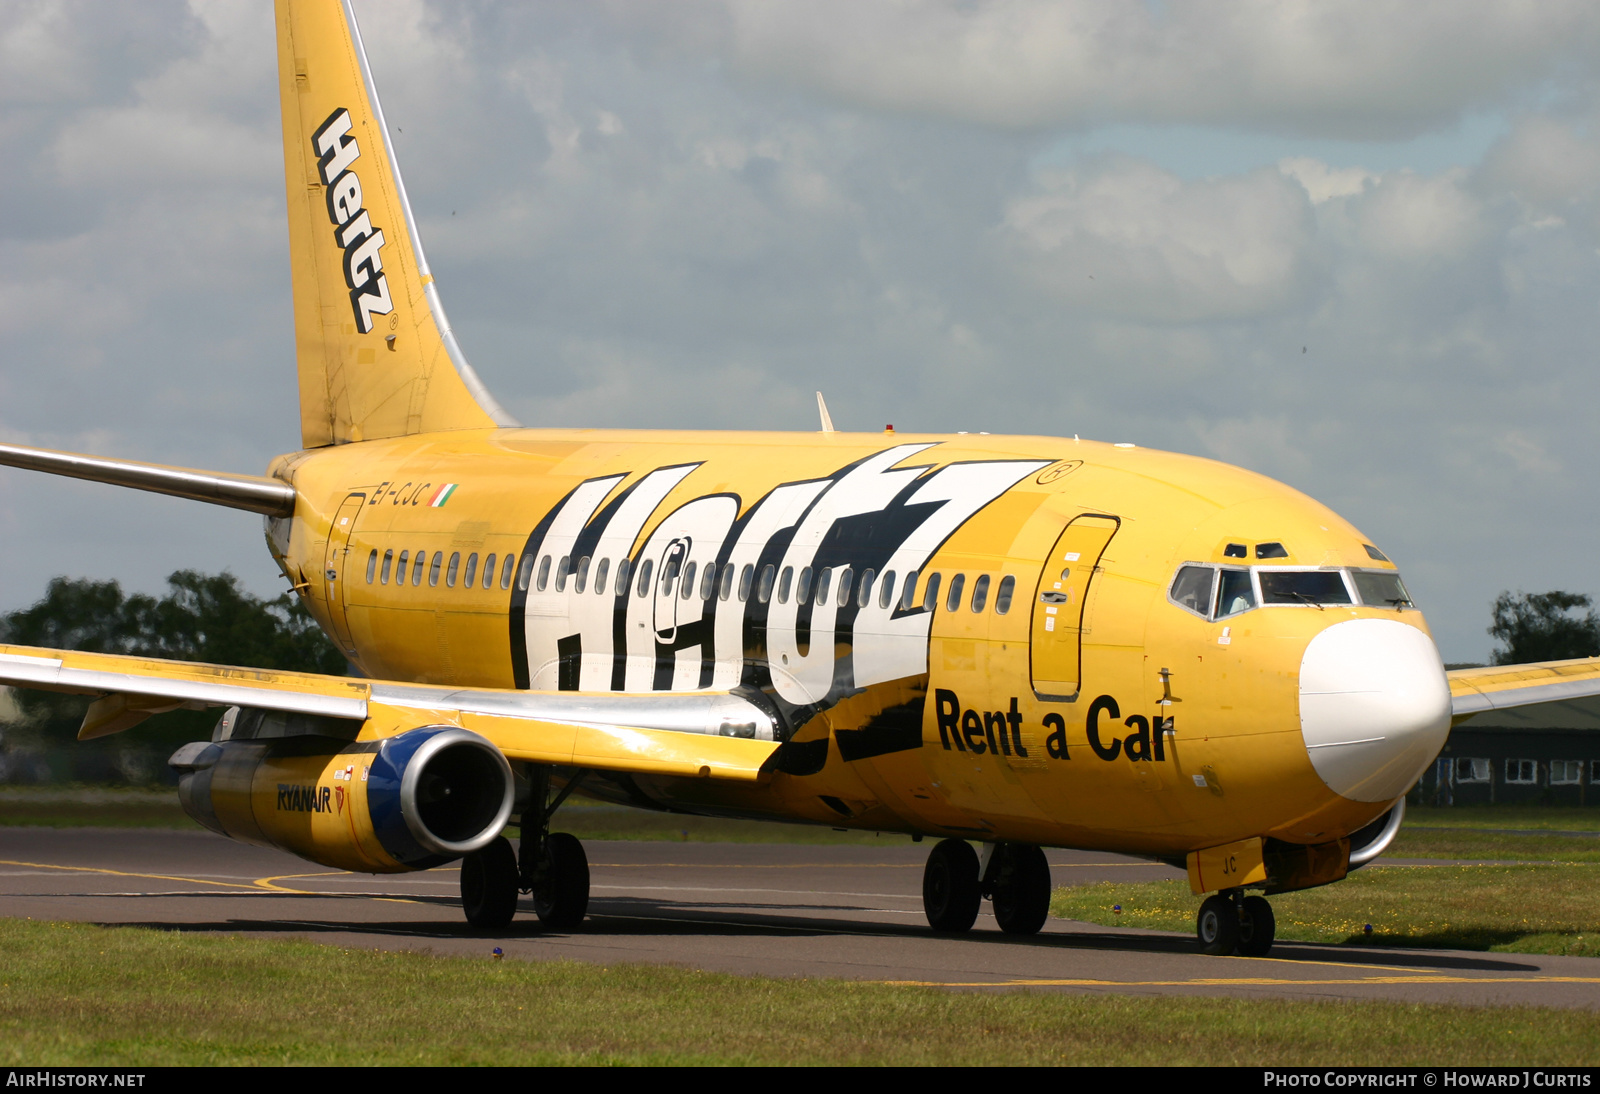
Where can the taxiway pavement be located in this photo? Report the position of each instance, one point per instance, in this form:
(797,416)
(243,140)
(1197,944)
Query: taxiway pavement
(851,911)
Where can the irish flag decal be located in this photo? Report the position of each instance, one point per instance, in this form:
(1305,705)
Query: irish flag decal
(442,495)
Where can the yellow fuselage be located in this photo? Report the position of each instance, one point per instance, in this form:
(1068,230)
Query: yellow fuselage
(948,721)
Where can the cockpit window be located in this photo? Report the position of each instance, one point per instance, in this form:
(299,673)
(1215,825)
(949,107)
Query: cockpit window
(1237,594)
(1374,553)
(1381,589)
(1192,588)
(1312,587)
(1271,550)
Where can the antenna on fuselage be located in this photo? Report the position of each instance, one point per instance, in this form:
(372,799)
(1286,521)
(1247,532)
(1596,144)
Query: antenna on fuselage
(822,408)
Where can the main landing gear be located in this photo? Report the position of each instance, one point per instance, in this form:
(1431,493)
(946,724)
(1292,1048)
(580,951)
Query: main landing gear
(552,868)
(1014,877)
(1231,922)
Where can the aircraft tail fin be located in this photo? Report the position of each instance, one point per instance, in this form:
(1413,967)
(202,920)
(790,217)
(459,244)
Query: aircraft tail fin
(375,353)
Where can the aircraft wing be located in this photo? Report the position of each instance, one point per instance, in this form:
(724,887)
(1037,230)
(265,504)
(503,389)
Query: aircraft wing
(718,735)
(1497,687)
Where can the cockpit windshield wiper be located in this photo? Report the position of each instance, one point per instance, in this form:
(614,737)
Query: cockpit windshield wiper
(1307,599)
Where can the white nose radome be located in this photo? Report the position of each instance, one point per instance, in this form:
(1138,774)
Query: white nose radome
(1374,707)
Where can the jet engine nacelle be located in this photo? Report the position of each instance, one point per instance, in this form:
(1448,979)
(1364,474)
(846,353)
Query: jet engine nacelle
(407,802)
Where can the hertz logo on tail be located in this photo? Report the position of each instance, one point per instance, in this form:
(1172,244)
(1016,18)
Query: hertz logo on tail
(362,243)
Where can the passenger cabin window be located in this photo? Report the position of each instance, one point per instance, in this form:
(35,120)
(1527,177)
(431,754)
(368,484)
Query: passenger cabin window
(1381,589)
(886,589)
(416,567)
(669,574)
(864,590)
(433,570)
(847,578)
(624,568)
(400,570)
(953,600)
(980,593)
(524,573)
(908,592)
(471,573)
(747,577)
(688,581)
(644,576)
(388,566)
(1313,588)
(580,580)
(544,574)
(708,581)
(802,590)
(488,572)
(563,568)
(1192,589)
(725,588)
(372,566)
(764,593)
(1002,595)
(930,592)
(824,583)
(601,572)
(451,570)
(785,582)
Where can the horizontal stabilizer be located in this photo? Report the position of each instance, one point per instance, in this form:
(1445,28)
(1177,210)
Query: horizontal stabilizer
(255,493)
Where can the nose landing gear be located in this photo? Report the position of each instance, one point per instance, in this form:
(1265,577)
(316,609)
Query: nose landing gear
(1231,922)
(1015,878)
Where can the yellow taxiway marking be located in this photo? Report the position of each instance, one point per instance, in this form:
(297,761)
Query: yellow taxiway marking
(1244,981)
(122,873)
(267,883)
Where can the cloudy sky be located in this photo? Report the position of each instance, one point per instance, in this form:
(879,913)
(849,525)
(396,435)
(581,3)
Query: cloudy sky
(1352,246)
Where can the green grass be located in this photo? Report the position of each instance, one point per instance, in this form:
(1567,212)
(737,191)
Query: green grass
(101,807)
(1549,909)
(74,994)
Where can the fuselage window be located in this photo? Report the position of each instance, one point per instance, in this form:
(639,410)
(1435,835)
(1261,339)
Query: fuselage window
(1236,594)
(488,571)
(400,569)
(472,571)
(388,566)
(372,566)
(523,574)
(1312,588)
(785,580)
(1270,550)
(886,589)
(544,574)
(864,590)
(624,568)
(725,589)
(980,593)
(764,593)
(450,571)
(930,592)
(747,577)
(581,581)
(708,580)
(1002,595)
(953,601)
(824,583)
(645,568)
(802,591)
(846,578)
(669,574)
(563,568)
(600,573)
(433,570)
(1192,589)
(908,593)
(417,561)
(688,581)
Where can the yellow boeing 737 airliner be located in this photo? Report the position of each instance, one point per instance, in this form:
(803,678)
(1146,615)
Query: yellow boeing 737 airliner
(1016,642)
